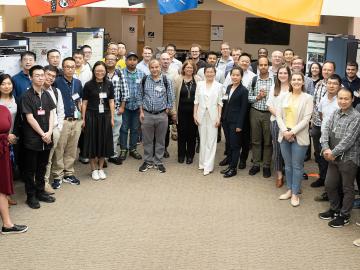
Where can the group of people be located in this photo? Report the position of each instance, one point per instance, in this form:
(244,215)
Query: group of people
(105,109)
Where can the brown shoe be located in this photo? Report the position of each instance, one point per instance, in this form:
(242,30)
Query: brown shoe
(279,182)
(11,201)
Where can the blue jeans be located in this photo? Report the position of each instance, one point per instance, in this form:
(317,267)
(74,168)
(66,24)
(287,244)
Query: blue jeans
(293,155)
(130,122)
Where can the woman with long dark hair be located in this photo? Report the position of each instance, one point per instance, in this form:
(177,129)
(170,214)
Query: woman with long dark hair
(282,84)
(315,72)
(98,114)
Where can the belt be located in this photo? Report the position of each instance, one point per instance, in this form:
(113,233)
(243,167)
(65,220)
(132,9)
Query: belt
(155,112)
(260,110)
(70,119)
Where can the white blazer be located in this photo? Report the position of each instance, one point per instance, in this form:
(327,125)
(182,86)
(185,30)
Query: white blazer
(304,112)
(208,100)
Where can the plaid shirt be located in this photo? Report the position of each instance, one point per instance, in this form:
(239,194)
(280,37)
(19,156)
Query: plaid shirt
(154,97)
(265,84)
(319,93)
(341,135)
(133,80)
(121,89)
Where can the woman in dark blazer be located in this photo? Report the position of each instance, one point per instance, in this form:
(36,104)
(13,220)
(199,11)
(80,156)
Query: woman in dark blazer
(234,119)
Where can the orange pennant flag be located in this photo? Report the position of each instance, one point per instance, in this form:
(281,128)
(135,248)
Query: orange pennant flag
(302,12)
(40,7)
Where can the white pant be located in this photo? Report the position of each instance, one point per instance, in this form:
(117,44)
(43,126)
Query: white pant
(55,138)
(116,132)
(208,136)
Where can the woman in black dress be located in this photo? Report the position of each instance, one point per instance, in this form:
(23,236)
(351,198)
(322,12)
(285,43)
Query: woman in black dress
(185,86)
(98,114)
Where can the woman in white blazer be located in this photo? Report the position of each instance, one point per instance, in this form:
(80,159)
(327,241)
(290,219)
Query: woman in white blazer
(293,117)
(207,112)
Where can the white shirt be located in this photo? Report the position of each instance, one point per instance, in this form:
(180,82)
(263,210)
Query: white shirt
(85,74)
(59,113)
(143,67)
(275,101)
(246,79)
(327,108)
(171,74)
(176,64)
(219,77)
(221,63)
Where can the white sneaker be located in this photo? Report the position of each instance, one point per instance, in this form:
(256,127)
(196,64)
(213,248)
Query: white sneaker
(95,175)
(357,242)
(286,195)
(295,200)
(102,174)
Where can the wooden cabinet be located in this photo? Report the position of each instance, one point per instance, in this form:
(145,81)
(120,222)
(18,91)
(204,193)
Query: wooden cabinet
(42,23)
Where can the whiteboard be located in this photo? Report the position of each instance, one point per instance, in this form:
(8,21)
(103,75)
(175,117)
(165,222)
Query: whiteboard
(95,39)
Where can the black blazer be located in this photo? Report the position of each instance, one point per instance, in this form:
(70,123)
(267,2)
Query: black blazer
(236,109)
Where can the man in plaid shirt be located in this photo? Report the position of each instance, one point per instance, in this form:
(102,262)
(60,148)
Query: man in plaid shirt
(122,94)
(341,148)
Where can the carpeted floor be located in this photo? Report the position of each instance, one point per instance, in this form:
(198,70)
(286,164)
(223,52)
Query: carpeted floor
(177,220)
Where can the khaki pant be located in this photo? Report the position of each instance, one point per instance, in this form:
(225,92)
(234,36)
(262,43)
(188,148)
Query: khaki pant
(55,138)
(65,152)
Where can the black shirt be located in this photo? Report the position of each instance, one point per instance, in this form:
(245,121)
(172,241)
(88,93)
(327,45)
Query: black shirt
(187,96)
(91,93)
(354,85)
(39,107)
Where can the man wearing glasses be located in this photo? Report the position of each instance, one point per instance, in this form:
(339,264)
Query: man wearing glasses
(195,52)
(65,152)
(225,58)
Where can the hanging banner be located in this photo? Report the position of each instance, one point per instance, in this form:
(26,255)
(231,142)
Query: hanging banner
(40,7)
(301,12)
(172,6)
(135,2)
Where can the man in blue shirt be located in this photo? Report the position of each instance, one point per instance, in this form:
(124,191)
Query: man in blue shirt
(130,119)
(155,100)
(22,80)
(65,151)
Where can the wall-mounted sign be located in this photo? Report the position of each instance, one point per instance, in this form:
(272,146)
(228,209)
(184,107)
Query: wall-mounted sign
(131,29)
(151,34)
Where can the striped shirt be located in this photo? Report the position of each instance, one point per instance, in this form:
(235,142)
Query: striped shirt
(319,93)
(341,135)
(154,97)
(121,90)
(265,84)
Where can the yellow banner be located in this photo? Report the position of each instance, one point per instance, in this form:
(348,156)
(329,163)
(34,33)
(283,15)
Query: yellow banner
(301,12)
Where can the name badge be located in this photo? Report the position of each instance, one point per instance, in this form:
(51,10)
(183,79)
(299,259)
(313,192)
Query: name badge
(102,95)
(138,80)
(75,96)
(225,97)
(101,108)
(158,88)
(357,93)
(76,114)
(41,112)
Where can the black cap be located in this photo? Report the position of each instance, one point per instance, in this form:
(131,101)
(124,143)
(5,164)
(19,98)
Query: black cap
(131,54)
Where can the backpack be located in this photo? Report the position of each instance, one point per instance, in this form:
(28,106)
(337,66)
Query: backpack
(143,80)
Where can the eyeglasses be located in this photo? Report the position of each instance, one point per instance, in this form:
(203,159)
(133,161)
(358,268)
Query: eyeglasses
(109,59)
(69,67)
(195,51)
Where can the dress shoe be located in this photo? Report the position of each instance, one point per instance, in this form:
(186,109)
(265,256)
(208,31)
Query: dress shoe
(318,183)
(230,173)
(166,153)
(45,198)
(115,160)
(181,159)
(295,200)
(254,170)
(224,162)
(266,172)
(286,195)
(242,165)
(305,176)
(225,170)
(189,160)
(280,182)
(33,202)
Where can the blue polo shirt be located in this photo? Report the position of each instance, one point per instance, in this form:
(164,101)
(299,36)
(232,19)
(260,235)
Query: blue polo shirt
(68,89)
(22,82)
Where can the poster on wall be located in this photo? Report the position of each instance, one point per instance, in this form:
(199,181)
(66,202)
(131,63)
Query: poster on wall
(40,43)
(10,51)
(315,49)
(217,33)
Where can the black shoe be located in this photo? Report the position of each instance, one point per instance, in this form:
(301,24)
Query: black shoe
(135,154)
(230,173)
(197,149)
(266,172)
(225,170)
(33,202)
(224,162)
(14,229)
(242,165)
(189,160)
(181,159)
(254,170)
(45,198)
(329,215)
(115,160)
(318,183)
(339,221)
(305,176)
(123,154)
(145,166)
(322,198)
(166,154)
(161,168)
